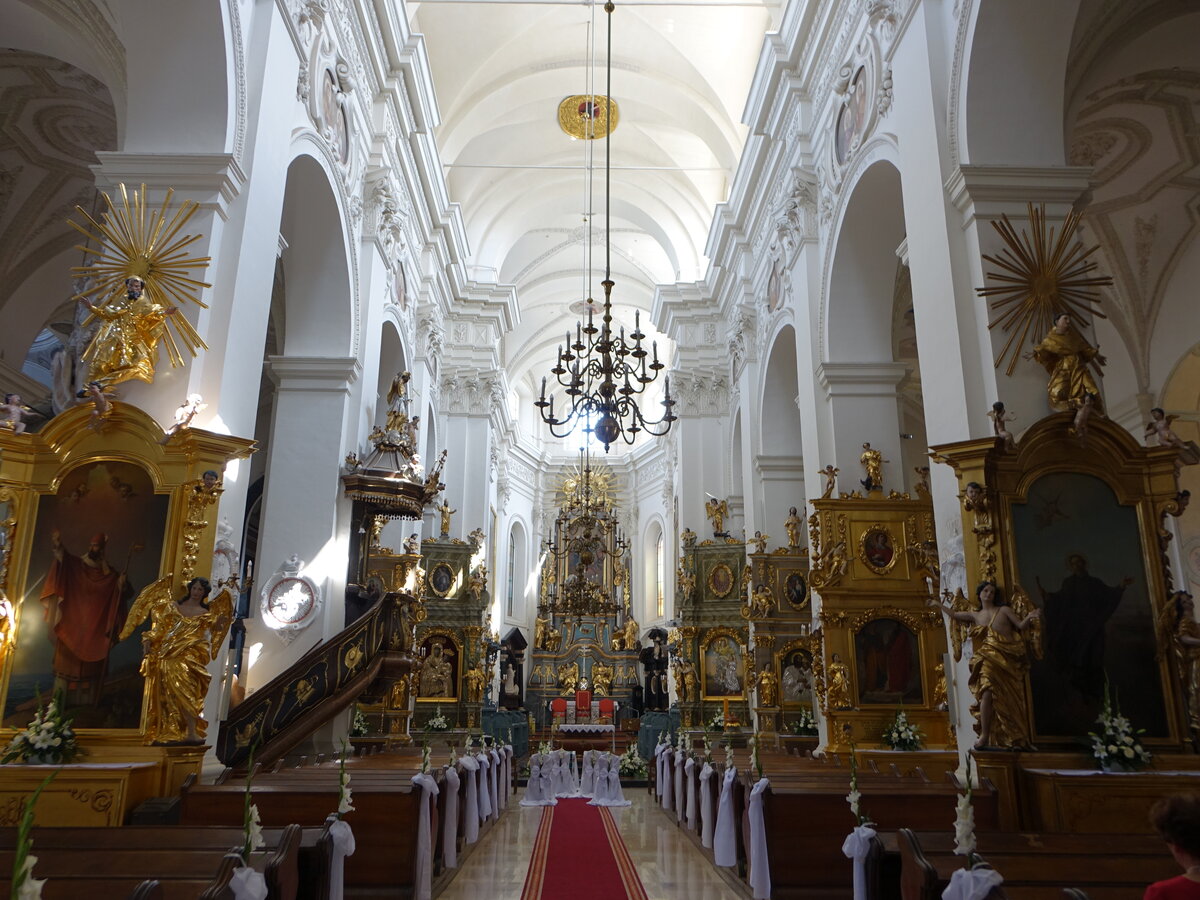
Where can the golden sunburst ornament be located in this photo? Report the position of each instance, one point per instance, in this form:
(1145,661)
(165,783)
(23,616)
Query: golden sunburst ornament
(598,480)
(132,242)
(1042,275)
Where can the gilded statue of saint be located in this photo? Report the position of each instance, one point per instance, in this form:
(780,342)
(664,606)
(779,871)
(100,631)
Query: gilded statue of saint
(185,636)
(872,462)
(446,512)
(125,346)
(1001,639)
(602,678)
(768,688)
(474,679)
(1065,355)
(837,692)
(794,526)
(717,510)
(1184,631)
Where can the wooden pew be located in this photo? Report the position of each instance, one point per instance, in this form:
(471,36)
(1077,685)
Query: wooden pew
(1036,866)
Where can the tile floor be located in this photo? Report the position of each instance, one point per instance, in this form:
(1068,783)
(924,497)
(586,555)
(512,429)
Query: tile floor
(670,866)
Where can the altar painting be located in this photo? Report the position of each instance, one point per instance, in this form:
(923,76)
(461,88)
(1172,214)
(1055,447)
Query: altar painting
(110,526)
(796,677)
(888,661)
(438,677)
(1079,557)
(724,668)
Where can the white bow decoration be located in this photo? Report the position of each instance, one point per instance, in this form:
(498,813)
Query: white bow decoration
(856,846)
(972,884)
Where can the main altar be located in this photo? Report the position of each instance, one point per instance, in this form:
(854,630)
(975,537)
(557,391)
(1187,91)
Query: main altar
(586,638)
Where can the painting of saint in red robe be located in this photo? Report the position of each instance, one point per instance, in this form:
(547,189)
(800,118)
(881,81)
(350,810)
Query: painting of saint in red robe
(97,541)
(888,660)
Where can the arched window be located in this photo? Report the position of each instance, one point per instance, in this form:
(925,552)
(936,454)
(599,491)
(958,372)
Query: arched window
(512,568)
(659,575)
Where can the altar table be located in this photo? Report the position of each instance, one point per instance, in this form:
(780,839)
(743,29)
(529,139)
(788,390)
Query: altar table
(586,737)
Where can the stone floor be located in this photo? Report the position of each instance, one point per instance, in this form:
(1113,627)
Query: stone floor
(670,865)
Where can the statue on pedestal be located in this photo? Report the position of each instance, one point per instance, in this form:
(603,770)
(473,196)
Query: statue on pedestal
(446,512)
(1065,355)
(830,472)
(794,526)
(716,511)
(768,688)
(1183,630)
(837,691)
(655,661)
(602,678)
(872,462)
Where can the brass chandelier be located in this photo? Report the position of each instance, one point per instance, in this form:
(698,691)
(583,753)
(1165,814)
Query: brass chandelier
(602,371)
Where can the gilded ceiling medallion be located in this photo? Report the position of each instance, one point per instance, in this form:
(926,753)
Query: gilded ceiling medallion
(585,116)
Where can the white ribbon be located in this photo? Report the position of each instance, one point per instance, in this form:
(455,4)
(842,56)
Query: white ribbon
(679,785)
(725,838)
(668,770)
(760,865)
(506,775)
(494,784)
(537,789)
(450,826)
(424,874)
(658,769)
(587,776)
(972,884)
(856,846)
(471,815)
(248,884)
(689,779)
(343,846)
(485,794)
(616,797)
(706,807)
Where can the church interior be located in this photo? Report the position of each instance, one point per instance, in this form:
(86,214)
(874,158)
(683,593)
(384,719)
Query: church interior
(754,465)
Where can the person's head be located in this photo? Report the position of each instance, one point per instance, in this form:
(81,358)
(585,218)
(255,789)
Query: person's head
(97,545)
(974,490)
(987,592)
(998,406)
(210,478)
(134,287)
(791,510)
(12,399)
(1077,564)
(1062,322)
(1157,414)
(197,590)
(1177,820)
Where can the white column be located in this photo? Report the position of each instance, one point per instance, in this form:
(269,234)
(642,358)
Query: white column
(304,512)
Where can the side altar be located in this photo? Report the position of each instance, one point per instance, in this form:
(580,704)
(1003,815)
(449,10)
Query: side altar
(586,639)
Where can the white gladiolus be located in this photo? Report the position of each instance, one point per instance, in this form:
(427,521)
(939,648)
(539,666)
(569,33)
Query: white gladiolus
(852,798)
(964,826)
(255,829)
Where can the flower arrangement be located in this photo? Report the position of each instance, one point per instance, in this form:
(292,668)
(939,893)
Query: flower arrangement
(437,722)
(1117,745)
(854,798)
(425,757)
(964,822)
(804,724)
(708,757)
(358,725)
(344,797)
(24,885)
(729,754)
(632,765)
(902,734)
(47,740)
(716,723)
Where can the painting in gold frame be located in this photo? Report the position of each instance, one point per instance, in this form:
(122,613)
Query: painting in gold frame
(877,549)
(97,541)
(722,666)
(720,581)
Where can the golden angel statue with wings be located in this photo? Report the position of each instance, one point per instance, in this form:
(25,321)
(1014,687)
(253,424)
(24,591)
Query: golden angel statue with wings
(138,273)
(185,636)
(1004,638)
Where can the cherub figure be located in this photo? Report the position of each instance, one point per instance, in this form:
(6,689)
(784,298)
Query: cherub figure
(101,398)
(13,413)
(687,537)
(412,544)
(1159,426)
(922,483)
(830,472)
(759,542)
(1087,406)
(762,602)
(184,414)
(1000,418)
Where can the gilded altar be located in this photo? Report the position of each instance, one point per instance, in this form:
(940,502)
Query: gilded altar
(118,499)
(882,644)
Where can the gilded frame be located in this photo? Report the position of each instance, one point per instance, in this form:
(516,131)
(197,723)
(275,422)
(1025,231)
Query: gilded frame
(430,579)
(711,636)
(864,553)
(712,580)
(424,636)
(813,645)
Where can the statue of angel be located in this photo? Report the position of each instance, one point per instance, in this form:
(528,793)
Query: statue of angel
(1000,420)
(184,637)
(1003,638)
(717,510)
(1159,426)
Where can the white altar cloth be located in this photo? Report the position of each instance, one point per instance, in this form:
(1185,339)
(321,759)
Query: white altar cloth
(586,729)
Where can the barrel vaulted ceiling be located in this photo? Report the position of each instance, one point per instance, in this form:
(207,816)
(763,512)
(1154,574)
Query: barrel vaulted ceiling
(681,73)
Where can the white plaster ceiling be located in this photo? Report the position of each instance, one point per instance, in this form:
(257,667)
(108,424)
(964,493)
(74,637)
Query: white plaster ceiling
(681,74)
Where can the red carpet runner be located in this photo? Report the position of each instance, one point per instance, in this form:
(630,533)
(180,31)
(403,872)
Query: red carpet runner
(579,855)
